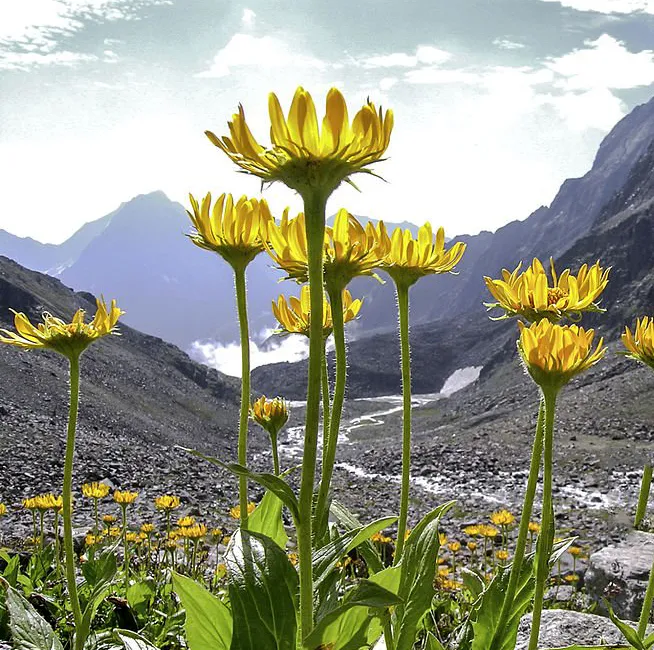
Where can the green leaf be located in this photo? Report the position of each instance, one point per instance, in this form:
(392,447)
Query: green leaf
(10,573)
(133,640)
(263,588)
(649,641)
(418,568)
(628,632)
(357,623)
(616,646)
(472,582)
(267,519)
(140,595)
(29,630)
(271,482)
(350,522)
(389,578)
(100,570)
(432,643)
(208,621)
(326,558)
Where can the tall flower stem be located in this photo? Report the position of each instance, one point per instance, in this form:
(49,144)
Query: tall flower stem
(123,508)
(314,207)
(547,523)
(322,507)
(402,291)
(67,497)
(241,302)
(523,533)
(275,455)
(643,497)
(326,400)
(646,611)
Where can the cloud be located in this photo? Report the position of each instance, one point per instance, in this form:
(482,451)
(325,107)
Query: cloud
(609,6)
(226,358)
(261,52)
(248,17)
(425,54)
(507,44)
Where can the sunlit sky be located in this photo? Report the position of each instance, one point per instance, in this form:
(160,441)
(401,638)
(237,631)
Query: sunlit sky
(496,101)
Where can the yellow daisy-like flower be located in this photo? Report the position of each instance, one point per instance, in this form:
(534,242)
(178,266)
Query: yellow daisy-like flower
(303,156)
(502,555)
(235,512)
(69,339)
(534,527)
(132,537)
(350,250)
(554,354)
(532,296)
(472,546)
(488,531)
(30,503)
(109,519)
(197,531)
(575,551)
(166,502)
(640,344)
(92,540)
(473,530)
(184,522)
(294,316)
(407,259)
(502,518)
(454,546)
(271,414)
(3,509)
(125,497)
(95,490)
(147,528)
(237,231)
(442,539)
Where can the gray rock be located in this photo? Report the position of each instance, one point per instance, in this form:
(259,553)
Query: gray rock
(619,573)
(561,628)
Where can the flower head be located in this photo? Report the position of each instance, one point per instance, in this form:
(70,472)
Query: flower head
(109,519)
(197,531)
(166,502)
(147,528)
(271,414)
(95,490)
(502,555)
(237,231)
(407,259)
(472,530)
(185,522)
(488,531)
(125,498)
(534,527)
(294,316)
(3,509)
(302,155)
(532,296)
(235,512)
(350,250)
(502,518)
(69,339)
(640,344)
(554,354)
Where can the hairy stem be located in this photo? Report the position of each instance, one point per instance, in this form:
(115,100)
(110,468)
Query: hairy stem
(241,302)
(643,497)
(326,400)
(402,291)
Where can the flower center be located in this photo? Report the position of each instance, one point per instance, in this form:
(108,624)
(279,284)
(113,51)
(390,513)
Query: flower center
(555,294)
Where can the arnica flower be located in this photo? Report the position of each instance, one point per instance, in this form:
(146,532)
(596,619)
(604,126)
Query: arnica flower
(197,531)
(554,354)
(271,414)
(166,502)
(125,497)
(534,527)
(30,503)
(350,250)
(147,528)
(473,530)
(502,555)
(235,512)
(640,344)
(575,551)
(109,519)
(294,316)
(236,231)
(488,531)
(95,490)
(3,509)
(184,522)
(302,155)
(408,259)
(69,339)
(531,295)
(454,546)
(472,546)
(502,518)
(442,539)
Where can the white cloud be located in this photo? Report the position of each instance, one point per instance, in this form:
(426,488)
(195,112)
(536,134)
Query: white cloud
(248,17)
(507,44)
(609,6)
(227,358)
(262,52)
(598,108)
(25,60)
(387,83)
(425,54)
(603,63)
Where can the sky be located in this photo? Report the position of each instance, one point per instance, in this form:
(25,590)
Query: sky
(496,102)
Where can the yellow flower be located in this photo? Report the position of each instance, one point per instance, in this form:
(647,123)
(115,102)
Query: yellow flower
(236,231)
(294,316)
(554,354)
(217,535)
(443,571)
(572,578)
(640,344)
(114,531)
(575,551)
(69,339)
(293,558)
(147,528)
(30,503)
(485,530)
(472,546)
(108,519)
(350,250)
(502,555)
(271,414)
(3,509)
(407,259)
(132,537)
(473,530)
(454,547)
(531,295)
(235,512)
(95,490)
(303,156)
(534,527)
(125,497)
(442,539)
(502,518)
(92,540)
(166,502)
(184,522)
(197,531)
(221,571)
(379,538)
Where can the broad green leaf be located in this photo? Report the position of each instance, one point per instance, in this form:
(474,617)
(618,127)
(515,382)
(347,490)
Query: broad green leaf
(10,573)
(208,621)
(389,578)
(267,519)
(263,588)
(418,569)
(29,630)
(472,582)
(326,558)
(271,482)
(432,643)
(133,640)
(649,641)
(358,622)
(118,639)
(140,595)
(367,548)
(627,631)
(99,577)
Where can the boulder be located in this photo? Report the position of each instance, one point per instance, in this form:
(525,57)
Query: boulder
(560,628)
(619,574)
